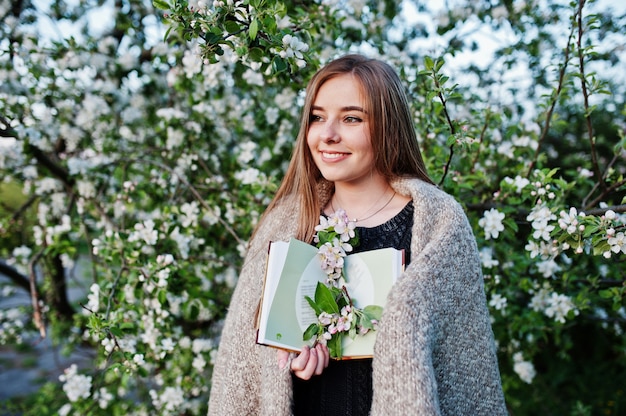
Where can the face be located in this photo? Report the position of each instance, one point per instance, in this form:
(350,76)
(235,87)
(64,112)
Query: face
(339,132)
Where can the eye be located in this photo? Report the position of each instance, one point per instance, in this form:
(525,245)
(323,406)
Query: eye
(353,119)
(314,118)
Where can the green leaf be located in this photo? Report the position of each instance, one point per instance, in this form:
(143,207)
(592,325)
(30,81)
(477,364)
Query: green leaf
(439,64)
(161,4)
(352,332)
(231,26)
(256,54)
(325,299)
(313,305)
(162,296)
(116,331)
(334,346)
(428,63)
(279,65)
(127,325)
(606,294)
(310,332)
(253,29)
(373,312)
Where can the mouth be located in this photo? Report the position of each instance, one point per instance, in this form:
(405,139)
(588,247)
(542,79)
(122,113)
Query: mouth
(333,155)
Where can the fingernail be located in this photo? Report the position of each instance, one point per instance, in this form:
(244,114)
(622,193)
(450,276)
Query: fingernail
(282,364)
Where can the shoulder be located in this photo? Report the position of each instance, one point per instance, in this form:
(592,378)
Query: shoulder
(426,196)
(279,222)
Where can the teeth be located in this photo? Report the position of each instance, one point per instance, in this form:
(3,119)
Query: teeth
(332,155)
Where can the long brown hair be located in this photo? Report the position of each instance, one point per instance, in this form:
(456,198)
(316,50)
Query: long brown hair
(394,141)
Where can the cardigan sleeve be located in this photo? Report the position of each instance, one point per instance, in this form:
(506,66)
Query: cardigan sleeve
(435,352)
(246,379)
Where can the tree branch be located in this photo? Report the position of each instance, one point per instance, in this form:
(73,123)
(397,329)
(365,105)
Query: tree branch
(583,82)
(34,295)
(16,277)
(555,96)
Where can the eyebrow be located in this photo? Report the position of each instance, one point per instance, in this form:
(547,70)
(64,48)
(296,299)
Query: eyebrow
(343,109)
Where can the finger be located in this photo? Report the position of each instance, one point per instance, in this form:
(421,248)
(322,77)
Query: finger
(321,360)
(283,357)
(325,354)
(299,363)
(311,365)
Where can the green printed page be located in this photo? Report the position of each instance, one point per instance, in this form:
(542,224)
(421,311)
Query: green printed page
(288,313)
(293,272)
(369,278)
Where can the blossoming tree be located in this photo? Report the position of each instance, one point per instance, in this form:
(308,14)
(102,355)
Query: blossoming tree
(142,153)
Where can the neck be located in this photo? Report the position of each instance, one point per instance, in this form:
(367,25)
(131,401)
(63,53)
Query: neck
(362,203)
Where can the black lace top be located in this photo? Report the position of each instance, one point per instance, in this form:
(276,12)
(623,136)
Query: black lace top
(345,387)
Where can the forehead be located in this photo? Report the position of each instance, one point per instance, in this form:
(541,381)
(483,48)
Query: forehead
(344,89)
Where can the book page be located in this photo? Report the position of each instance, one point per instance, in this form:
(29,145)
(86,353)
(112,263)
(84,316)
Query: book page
(293,271)
(282,328)
(369,278)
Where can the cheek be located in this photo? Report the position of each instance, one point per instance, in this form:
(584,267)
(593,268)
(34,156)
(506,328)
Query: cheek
(310,140)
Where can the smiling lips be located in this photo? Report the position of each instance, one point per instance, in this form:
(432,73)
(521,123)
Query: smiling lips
(333,155)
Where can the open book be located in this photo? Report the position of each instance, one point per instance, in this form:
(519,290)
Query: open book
(293,271)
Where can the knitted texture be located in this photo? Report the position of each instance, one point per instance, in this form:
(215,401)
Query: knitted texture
(435,352)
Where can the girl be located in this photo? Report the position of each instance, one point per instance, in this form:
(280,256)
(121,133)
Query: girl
(434,353)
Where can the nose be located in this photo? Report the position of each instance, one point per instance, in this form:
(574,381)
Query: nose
(329,132)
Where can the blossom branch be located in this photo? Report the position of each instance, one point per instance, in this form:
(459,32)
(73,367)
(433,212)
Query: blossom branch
(442,98)
(195,193)
(15,276)
(5,128)
(34,295)
(585,92)
(554,97)
(608,190)
(480,141)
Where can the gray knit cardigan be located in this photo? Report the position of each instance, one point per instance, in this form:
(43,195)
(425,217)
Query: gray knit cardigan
(435,351)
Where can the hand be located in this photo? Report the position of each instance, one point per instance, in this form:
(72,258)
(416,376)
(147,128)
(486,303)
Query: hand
(310,361)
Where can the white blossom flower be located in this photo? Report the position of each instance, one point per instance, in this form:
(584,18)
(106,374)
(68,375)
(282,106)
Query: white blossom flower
(542,230)
(246,152)
(145,231)
(491,222)
(271,115)
(285,99)
(65,409)
(498,302)
(519,182)
(524,369)
(104,398)
(22,252)
(540,297)
(293,47)
(548,268)
(618,243)
(190,214)
(93,298)
(569,220)
(170,401)
(253,77)
(559,306)
(86,189)
(248,176)
(175,138)
(76,386)
(139,360)
(486,258)
(47,185)
(540,217)
(199,363)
